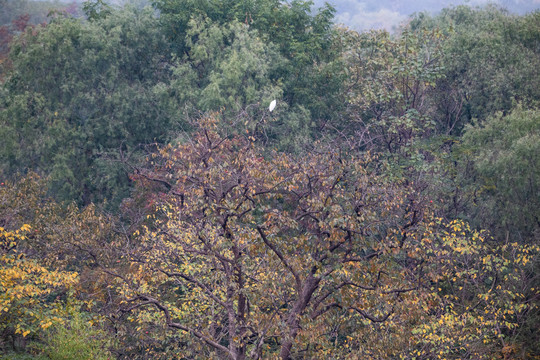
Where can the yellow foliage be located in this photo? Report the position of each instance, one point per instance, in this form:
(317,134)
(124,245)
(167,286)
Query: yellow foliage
(26,286)
(240,240)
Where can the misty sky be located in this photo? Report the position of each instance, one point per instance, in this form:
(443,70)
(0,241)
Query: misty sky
(387,14)
(378,14)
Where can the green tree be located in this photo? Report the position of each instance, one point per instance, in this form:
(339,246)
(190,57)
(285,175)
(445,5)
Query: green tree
(390,82)
(96,9)
(81,97)
(490,60)
(226,68)
(505,153)
(309,72)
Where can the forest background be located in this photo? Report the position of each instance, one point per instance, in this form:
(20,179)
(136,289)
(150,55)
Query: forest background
(152,206)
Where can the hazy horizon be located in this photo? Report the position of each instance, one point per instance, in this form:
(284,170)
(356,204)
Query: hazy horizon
(388,14)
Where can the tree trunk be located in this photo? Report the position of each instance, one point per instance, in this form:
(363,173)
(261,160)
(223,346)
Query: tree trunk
(293,320)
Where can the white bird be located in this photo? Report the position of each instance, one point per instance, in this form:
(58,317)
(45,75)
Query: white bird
(272,105)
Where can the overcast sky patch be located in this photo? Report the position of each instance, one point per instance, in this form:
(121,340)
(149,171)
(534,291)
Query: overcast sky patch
(388,14)
(359,17)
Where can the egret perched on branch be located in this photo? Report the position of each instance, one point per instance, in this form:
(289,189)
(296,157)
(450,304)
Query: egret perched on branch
(272,105)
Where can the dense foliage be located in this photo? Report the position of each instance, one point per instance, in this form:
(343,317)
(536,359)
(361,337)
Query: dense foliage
(153,206)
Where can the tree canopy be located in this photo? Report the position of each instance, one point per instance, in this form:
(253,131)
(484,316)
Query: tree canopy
(153,205)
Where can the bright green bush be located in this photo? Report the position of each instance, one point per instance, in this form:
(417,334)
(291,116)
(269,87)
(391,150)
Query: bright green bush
(76,340)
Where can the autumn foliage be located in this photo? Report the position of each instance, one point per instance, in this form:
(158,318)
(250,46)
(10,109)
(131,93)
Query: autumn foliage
(153,206)
(258,255)
(27,287)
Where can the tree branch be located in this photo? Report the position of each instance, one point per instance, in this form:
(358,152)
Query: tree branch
(151,301)
(282,258)
(196,282)
(372,318)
